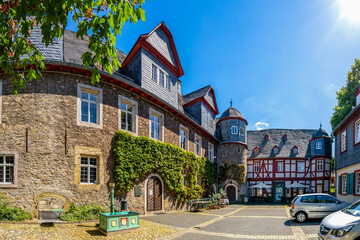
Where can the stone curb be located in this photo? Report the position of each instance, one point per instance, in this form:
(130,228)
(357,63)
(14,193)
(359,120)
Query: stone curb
(55,223)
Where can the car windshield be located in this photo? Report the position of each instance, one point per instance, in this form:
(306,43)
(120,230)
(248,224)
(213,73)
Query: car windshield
(354,209)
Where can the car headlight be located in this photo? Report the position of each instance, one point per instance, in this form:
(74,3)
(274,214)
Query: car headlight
(341,231)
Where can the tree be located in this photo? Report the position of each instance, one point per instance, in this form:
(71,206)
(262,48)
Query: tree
(346,95)
(100,20)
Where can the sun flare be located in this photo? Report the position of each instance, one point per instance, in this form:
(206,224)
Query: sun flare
(350,9)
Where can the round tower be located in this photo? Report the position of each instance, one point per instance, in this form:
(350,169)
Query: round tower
(231,129)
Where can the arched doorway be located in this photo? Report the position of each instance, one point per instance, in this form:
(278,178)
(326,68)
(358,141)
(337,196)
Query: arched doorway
(231,193)
(154,194)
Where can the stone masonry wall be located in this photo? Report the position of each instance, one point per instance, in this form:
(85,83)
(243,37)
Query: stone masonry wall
(40,126)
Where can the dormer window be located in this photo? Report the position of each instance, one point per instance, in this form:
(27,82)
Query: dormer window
(285,137)
(275,149)
(256,150)
(266,137)
(295,150)
(234,130)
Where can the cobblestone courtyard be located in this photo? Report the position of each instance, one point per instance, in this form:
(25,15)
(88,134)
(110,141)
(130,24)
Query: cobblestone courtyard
(233,222)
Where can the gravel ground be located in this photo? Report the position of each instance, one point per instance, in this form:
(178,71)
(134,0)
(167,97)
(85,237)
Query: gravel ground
(147,230)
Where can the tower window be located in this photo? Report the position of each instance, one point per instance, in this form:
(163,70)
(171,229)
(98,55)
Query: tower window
(242,131)
(234,130)
(318,145)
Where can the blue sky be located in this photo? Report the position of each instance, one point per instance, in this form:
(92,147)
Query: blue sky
(280,61)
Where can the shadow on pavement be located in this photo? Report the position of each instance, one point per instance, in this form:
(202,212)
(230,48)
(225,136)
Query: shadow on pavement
(309,222)
(94,233)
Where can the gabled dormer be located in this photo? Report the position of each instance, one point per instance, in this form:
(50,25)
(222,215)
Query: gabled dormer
(201,105)
(154,64)
(275,150)
(295,150)
(256,150)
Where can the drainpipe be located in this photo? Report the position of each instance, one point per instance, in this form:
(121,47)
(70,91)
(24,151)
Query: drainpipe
(112,186)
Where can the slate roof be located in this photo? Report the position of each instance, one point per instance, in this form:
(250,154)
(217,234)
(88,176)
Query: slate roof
(75,47)
(295,137)
(231,112)
(196,94)
(320,133)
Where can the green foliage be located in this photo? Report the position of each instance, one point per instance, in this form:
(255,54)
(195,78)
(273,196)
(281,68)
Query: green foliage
(137,157)
(346,95)
(100,20)
(11,213)
(215,199)
(86,212)
(209,174)
(236,172)
(223,193)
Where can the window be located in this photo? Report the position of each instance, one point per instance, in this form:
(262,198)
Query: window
(161,78)
(0,99)
(319,165)
(154,73)
(184,173)
(357,128)
(256,167)
(7,169)
(242,131)
(211,152)
(239,150)
(167,82)
(276,150)
(234,130)
(206,116)
(308,199)
(256,150)
(88,170)
(343,141)
(89,106)
(197,142)
(301,166)
(184,137)
(127,114)
(280,166)
(343,184)
(295,150)
(156,123)
(325,199)
(357,183)
(211,121)
(318,145)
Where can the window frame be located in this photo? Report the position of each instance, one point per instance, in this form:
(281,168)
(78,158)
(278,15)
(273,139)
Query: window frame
(256,164)
(295,150)
(356,130)
(186,137)
(357,172)
(16,159)
(234,130)
(342,150)
(88,166)
(256,150)
(153,112)
(167,82)
(343,176)
(278,166)
(154,73)
(243,129)
(90,89)
(161,78)
(211,154)
(277,150)
(196,136)
(134,104)
(318,145)
(317,165)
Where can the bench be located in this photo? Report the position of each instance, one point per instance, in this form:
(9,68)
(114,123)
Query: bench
(195,204)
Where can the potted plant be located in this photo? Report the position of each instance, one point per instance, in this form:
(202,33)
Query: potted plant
(223,199)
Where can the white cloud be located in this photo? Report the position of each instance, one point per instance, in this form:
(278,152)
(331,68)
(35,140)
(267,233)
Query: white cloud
(261,125)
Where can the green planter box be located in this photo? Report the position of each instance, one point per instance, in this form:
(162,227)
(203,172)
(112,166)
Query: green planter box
(114,223)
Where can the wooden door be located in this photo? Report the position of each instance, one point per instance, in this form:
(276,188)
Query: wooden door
(231,191)
(154,194)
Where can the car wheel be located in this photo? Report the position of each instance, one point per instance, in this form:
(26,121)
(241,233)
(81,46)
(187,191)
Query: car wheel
(301,217)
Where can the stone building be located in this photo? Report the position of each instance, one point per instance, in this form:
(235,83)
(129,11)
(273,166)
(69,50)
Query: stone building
(56,134)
